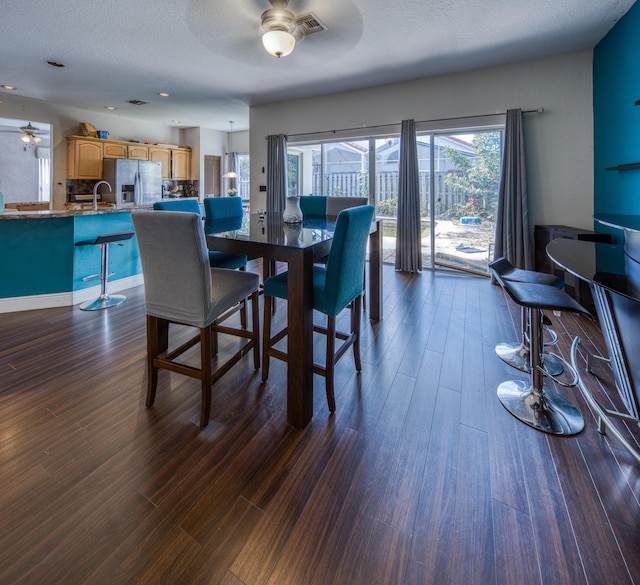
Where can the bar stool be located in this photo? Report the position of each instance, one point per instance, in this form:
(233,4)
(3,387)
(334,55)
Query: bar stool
(105,300)
(528,400)
(517,353)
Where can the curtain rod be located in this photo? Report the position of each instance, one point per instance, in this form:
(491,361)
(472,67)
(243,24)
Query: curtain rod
(537,110)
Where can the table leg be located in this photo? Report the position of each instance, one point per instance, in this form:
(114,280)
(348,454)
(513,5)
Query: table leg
(300,339)
(375,273)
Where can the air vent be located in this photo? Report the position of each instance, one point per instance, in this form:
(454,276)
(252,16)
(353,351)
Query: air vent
(137,102)
(309,23)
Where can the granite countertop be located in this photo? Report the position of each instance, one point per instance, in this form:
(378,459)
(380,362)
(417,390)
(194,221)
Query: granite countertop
(15,214)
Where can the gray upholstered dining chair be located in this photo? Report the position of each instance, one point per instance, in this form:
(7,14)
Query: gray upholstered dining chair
(217,258)
(181,287)
(335,287)
(336,204)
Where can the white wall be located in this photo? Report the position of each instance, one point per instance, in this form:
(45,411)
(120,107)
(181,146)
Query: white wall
(558,142)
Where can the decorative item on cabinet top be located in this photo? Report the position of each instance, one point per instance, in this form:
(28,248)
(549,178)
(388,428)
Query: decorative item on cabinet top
(85,155)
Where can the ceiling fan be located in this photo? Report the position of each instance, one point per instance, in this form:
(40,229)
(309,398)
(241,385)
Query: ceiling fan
(30,134)
(282,28)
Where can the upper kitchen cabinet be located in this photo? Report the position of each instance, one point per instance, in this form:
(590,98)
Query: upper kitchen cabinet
(181,164)
(85,154)
(84,158)
(138,152)
(162,155)
(176,162)
(114,150)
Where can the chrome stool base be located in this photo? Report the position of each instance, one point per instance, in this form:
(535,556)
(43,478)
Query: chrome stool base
(545,411)
(518,356)
(103,302)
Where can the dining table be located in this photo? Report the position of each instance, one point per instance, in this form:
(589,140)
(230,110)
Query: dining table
(265,235)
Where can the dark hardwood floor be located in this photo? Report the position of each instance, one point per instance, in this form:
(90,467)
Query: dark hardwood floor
(420,477)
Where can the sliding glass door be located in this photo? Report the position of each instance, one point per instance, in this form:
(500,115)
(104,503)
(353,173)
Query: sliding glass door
(459,176)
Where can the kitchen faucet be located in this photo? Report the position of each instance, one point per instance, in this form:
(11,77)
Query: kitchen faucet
(95,193)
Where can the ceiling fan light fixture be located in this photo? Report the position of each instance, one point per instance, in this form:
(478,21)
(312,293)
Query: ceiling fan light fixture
(25,138)
(278,25)
(278,43)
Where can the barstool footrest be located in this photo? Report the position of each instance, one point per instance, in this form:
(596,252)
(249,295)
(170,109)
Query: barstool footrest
(518,356)
(96,277)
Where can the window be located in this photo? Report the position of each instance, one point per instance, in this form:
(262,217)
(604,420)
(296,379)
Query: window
(243,180)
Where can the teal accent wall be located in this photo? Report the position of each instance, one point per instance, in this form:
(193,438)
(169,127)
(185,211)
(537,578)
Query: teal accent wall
(616,118)
(39,256)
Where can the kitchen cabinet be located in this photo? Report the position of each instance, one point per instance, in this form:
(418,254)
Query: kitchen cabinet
(84,158)
(180,164)
(162,155)
(114,150)
(85,154)
(138,152)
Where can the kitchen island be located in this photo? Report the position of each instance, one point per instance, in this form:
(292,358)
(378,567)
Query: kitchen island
(41,267)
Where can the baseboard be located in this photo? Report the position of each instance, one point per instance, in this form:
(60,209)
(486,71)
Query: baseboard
(66,299)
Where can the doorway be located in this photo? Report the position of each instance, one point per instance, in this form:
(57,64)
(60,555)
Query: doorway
(212,175)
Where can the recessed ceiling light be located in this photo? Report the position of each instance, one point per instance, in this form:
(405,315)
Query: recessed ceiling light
(11,87)
(55,64)
(175,121)
(163,94)
(110,108)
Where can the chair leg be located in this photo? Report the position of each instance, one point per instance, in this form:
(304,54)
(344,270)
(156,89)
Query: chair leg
(356,317)
(255,320)
(330,363)
(157,342)
(266,336)
(206,356)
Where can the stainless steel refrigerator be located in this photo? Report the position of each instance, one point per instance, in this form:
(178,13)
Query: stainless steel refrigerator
(133,182)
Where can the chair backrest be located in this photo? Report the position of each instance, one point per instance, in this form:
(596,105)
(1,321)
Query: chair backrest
(175,266)
(313,206)
(188,205)
(222,207)
(345,264)
(336,204)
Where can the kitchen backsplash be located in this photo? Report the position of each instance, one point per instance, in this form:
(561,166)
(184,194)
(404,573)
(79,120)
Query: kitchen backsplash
(79,189)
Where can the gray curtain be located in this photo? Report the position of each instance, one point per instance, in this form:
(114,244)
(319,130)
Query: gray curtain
(513,239)
(408,237)
(276,172)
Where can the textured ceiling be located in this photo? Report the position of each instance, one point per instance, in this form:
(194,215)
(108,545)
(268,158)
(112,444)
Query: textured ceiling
(208,55)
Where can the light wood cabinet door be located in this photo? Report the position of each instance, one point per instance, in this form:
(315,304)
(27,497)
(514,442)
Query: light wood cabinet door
(138,152)
(84,159)
(111,150)
(180,164)
(163,156)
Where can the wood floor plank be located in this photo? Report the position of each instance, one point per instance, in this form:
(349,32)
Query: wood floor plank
(419,477)
(429,559)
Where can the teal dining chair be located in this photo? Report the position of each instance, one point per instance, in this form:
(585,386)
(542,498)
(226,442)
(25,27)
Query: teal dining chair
(223,208)
(336,286)
(313,206)
(217,259)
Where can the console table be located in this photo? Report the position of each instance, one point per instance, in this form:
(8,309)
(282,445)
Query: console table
(613,275)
